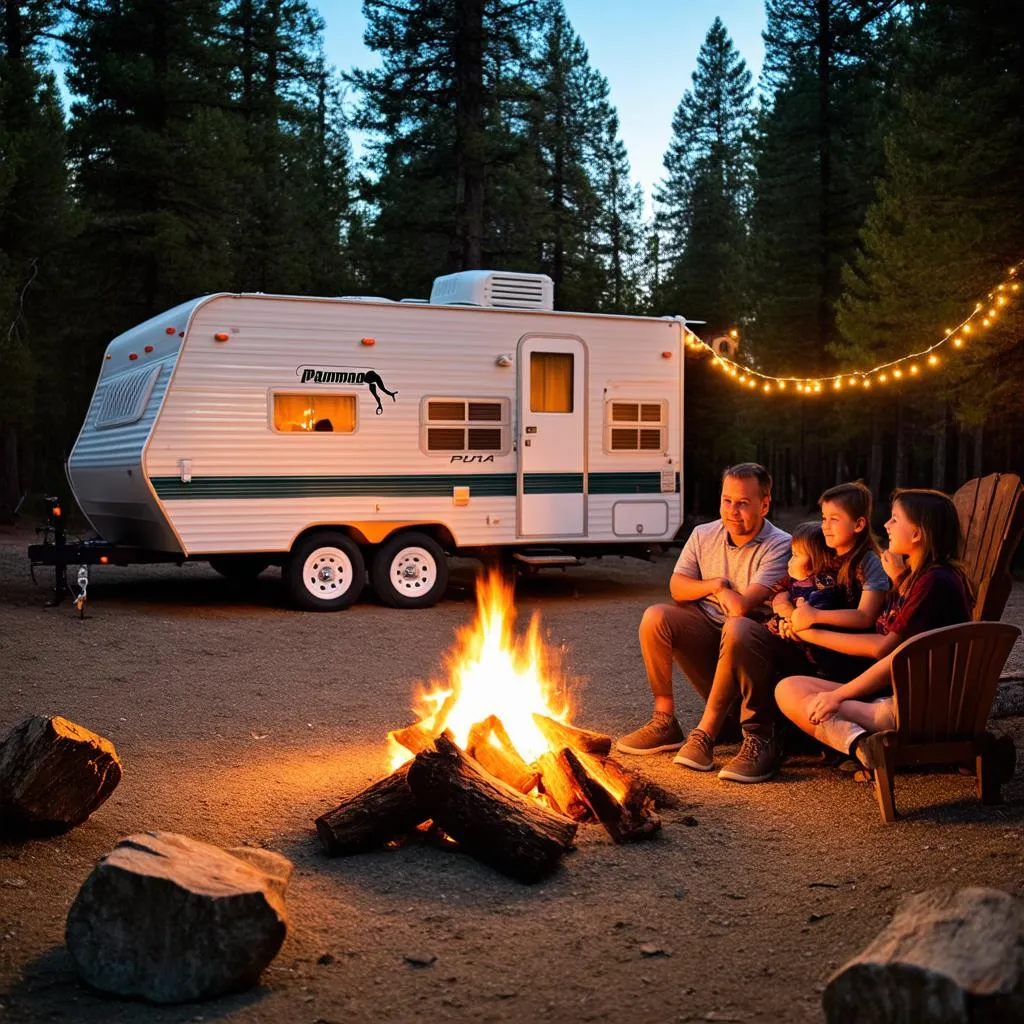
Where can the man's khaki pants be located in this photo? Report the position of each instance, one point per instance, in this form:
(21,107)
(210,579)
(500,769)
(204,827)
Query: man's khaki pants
(740,659)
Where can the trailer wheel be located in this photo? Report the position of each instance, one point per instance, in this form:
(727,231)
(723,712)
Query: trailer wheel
(325,572)
(410,571)
(238,568)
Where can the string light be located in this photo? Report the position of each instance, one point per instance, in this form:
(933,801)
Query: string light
(984,313)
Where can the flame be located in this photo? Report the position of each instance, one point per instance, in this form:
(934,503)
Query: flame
(491,671)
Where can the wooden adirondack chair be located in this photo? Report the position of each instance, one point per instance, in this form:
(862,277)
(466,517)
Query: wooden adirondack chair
(943,683)
(991,511)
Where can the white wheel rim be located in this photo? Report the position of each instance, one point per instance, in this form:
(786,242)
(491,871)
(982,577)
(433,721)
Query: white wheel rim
(327,573)
(413,572)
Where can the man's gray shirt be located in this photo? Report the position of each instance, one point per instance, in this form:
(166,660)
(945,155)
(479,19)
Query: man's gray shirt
(710,552)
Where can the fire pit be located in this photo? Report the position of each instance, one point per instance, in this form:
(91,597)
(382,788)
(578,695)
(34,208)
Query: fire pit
(493,765)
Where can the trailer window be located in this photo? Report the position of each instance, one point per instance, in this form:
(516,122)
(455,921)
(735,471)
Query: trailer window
(551,381)
(315,413)
(636,426)
(452,425)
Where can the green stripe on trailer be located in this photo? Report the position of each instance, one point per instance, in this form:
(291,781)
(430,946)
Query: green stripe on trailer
(433,485)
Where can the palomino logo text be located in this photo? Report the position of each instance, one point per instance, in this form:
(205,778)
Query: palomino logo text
(343,375)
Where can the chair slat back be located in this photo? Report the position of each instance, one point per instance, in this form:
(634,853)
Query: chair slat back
(945,680)
(991,513)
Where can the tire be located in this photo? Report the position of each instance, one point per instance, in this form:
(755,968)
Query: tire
(325,572)
(410,571)
(238,568)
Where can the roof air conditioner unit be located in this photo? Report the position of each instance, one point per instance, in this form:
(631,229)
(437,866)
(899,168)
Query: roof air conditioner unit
(497,288)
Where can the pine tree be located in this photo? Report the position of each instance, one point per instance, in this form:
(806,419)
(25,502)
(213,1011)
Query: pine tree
(434,110)
(702,202)
(35,224)
(619,229)
(948,221)
(156,154)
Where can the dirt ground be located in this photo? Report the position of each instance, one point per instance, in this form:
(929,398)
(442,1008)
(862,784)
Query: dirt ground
(238,721)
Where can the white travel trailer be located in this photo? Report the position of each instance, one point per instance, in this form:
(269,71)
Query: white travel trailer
(346,437)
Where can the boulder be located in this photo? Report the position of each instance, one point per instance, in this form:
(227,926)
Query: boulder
(947,957)
(53,775)
(169,919)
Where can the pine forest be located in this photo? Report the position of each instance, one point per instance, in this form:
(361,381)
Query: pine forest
(856,202)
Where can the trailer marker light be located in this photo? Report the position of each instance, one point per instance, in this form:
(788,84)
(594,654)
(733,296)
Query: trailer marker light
(104,560)
(134,355)
(170,330)
(221,336)
(148,348)
(369,341)
(666,355)
(56,512)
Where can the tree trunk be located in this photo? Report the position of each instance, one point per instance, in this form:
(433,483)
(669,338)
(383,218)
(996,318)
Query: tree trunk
(875,464)
(961,457)
(469,134)
(939,451)
(10,486)
(979,436)
(900,466)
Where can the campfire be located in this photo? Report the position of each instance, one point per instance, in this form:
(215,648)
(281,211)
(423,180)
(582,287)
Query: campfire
(492,765)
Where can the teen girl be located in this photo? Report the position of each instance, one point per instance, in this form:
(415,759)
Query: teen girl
(846,528)
(929,591)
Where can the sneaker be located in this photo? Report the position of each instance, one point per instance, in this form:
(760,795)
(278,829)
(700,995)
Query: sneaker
(757,760)
(662,732)
(697,752)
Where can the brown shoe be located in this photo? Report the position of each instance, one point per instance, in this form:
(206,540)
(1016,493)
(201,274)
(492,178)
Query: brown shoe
(662,732)
(698,752)
(757,760)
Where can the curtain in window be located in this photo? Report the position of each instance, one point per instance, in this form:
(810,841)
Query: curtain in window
(551,381)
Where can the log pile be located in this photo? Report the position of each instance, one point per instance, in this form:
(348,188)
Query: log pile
(517,817)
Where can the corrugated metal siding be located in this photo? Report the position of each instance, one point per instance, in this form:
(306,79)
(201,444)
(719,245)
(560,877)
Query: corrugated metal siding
(216,413)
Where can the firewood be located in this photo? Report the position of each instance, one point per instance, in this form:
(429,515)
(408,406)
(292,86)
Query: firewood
(381,813)
(949,955)
(488,818)
(561,790)
(661,797)
(626,820)
(420,735)
(561,735)
(490,744)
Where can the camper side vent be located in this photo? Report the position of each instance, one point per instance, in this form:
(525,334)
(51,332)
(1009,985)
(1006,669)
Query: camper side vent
(494,288)
(636,426)
(126,398)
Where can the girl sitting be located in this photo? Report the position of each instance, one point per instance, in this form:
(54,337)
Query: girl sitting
(929,591)
(846,528)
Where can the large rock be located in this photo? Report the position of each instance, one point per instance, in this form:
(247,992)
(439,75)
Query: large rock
(53,775)
(171,919)
(947,957)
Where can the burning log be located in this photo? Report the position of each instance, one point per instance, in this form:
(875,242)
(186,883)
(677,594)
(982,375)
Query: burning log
(561,790)
(385,811)
(628,775)
(560,735)
(421,735)
(488,819)
(626,820)
(490,744)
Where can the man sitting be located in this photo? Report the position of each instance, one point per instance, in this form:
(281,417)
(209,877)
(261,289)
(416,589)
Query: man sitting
(716,631)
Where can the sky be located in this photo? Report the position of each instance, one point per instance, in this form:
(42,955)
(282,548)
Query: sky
(647,49)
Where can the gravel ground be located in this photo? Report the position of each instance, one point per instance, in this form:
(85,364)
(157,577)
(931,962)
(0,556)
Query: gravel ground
(239,721)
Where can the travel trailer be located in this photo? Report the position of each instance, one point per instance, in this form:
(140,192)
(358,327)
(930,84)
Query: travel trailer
(352,438)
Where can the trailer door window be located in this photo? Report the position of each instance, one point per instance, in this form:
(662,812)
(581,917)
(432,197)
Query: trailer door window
(551,381)
(636,426)
(315,413)
(452,425)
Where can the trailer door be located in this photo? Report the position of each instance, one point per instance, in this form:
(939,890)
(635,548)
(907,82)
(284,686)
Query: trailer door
(552,475)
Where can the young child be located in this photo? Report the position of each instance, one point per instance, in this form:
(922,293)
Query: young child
(930,591)
(810,580)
